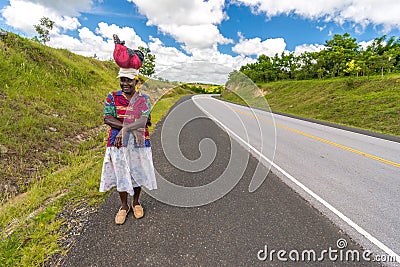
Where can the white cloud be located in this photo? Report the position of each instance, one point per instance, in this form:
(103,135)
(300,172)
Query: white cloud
(193,23)
(365,44)
(300,49)
(181,12)
(23,15)
(68,8)
(256,46)
(126,34)
(166,57)
(362,13)
(306,8)
(87,45)
(66,23)
(205,65)
(197,71)
(72,44)
(99,42)
(196,36)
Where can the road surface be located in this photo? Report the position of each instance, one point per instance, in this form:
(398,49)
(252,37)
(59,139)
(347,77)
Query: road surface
(353,178)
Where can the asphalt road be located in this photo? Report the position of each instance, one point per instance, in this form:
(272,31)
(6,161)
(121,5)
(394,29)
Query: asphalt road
(233,230)
(355,174)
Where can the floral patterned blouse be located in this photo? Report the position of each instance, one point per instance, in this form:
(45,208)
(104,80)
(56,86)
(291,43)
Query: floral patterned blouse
(119,107)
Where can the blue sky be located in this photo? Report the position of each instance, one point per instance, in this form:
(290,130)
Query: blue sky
(185,32)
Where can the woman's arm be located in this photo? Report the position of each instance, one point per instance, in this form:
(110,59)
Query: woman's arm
(138,125)
(113,123)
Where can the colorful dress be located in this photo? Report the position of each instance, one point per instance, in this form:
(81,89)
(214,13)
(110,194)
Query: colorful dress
(130,165)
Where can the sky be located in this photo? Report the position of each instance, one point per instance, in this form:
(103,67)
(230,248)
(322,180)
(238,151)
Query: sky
(202,41)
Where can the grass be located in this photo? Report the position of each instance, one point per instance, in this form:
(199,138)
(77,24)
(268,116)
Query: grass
(367,103)
(51,142)
(30,228)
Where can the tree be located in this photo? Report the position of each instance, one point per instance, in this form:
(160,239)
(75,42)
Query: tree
(352,68)
(44,28)
(340,50)
(306,66)
(341,56)
(148,65)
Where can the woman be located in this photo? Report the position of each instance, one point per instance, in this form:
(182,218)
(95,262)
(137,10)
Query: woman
(128,162)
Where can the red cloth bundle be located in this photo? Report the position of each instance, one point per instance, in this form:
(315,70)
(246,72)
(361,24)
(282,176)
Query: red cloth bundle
(124,60)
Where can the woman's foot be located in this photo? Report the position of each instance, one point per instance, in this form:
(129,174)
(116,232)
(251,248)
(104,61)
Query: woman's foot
(138,211)
(121,214)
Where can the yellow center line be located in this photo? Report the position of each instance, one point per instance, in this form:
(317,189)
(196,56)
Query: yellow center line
(395,164)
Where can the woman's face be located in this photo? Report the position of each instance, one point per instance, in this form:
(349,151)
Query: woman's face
(127,85)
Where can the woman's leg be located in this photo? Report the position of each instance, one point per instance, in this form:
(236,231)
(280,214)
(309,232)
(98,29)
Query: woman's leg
(138,211)
(124,200)
(136,195)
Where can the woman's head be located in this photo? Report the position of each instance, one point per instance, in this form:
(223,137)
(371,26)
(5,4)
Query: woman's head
(128,80)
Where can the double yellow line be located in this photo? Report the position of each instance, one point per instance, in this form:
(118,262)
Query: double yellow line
(395,164)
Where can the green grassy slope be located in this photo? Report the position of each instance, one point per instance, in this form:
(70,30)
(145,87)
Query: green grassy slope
(47,97)
(368,103)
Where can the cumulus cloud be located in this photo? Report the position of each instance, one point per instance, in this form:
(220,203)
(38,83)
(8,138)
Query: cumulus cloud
(196,36)
(204,65)
(66,23)
(181,12)
(300,49)
(99,43)
(125,33)
(256,46)
(166,57)
(22,15)
(68,8)
(88,44)
(364,44)
(193,23)
(363,13)
(78,46)
(198,71)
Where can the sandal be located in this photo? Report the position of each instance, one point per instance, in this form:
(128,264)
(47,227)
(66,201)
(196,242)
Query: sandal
(121,215)
(138,211)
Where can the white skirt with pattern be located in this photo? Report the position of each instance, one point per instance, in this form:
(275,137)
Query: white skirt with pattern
(128,167)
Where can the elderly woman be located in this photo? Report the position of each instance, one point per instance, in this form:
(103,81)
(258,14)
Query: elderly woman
(128,162)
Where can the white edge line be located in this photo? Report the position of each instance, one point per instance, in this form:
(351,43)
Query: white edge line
(347,220)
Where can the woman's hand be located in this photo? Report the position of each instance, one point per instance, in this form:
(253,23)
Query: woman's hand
(139,136)
(119,138)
